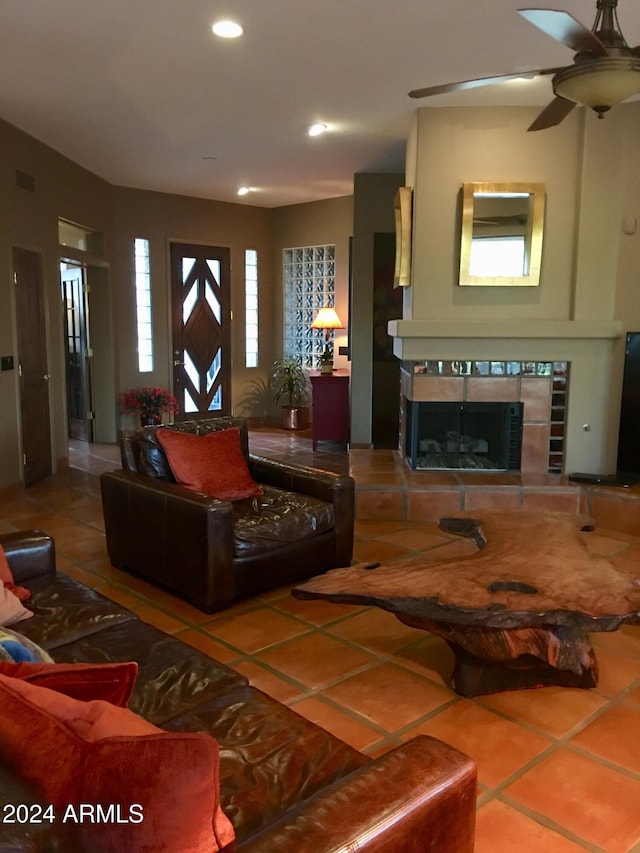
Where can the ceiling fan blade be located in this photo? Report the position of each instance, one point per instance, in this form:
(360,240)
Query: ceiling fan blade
(445,88)
(564,28)
(552,114)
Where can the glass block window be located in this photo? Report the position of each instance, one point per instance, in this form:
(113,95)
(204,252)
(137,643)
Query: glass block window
(251,308)
(143,305)
(309,284)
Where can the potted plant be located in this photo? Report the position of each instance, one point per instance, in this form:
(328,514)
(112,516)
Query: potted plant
(149,403)
(326,359)
(289,383)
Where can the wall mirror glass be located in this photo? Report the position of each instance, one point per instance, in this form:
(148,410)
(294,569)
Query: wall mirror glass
(502,230)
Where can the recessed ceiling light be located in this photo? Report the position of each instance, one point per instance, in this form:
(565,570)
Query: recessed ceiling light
(227,29)
(316,129)
(244,190)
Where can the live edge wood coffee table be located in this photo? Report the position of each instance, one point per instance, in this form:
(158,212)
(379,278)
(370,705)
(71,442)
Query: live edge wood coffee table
(517,612)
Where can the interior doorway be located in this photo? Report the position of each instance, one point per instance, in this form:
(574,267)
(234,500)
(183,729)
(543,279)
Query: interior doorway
(33,368)
(201,315)
(78,353)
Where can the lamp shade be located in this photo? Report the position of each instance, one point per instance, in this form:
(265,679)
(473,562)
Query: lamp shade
(599,83)
(327,318)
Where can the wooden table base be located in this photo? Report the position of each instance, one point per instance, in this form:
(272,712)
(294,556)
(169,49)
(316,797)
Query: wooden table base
(491,660)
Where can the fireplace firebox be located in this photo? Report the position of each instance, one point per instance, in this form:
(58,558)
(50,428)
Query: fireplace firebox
(467,436)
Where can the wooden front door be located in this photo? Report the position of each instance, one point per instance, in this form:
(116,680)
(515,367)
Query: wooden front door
(32,366)
(200,293)
(76,333)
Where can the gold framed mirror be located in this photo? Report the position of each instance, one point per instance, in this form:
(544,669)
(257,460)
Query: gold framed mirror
(502,230)
(402,212)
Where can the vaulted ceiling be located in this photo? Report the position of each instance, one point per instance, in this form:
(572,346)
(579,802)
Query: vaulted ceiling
(144,95)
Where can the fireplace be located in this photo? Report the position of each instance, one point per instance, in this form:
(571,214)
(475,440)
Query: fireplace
(464,435)
(489,415)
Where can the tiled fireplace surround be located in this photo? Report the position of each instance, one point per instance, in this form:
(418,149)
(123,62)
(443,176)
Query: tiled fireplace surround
(541,386)
(397,492)
(589,348)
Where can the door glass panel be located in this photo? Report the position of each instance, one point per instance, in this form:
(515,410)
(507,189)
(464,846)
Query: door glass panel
(187,266)
(213,371)
(216,403)
(214,266)
(189,405)
(213,301)
(189,302)
(192,371)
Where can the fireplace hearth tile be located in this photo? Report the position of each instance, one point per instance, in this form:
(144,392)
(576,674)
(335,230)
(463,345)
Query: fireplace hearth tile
(481,479)
(380,503)
(540,478)
(427,496)
(428,479)
(504,498)
(555,501)
(381,478)
(432,504)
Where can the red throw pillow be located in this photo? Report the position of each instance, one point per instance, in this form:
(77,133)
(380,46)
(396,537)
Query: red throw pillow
(213,464)
(120,782)
(6,577)
(111,682)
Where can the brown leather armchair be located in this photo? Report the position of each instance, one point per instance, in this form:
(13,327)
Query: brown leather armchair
(212,552)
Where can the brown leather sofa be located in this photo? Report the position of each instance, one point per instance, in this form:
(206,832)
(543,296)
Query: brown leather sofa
(212,552)
(287,785)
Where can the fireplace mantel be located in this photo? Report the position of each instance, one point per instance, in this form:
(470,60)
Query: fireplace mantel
(545,329)
(517,339)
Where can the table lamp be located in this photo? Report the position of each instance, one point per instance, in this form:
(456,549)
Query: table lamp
(327,319)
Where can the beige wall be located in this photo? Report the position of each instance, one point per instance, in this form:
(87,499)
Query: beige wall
(490,144)
(588,296)
(314,224)
(29,220)
(65,190)
(162,219)
(374,196)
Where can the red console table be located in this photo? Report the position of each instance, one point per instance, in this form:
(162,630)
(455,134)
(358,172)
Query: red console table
(330,407)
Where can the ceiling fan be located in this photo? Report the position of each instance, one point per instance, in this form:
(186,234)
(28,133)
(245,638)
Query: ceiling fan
(605,69)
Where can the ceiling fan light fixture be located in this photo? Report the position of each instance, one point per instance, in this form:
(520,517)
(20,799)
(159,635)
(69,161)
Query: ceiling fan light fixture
(599,83)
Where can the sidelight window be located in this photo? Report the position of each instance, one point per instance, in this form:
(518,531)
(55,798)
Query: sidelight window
(251,307)
(143,305)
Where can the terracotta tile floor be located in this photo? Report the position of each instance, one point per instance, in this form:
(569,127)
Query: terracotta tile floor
(559,768)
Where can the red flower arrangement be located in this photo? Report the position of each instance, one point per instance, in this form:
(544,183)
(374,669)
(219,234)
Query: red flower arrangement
(149,402)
